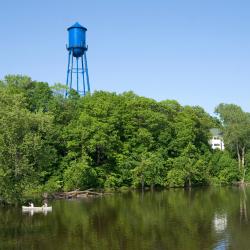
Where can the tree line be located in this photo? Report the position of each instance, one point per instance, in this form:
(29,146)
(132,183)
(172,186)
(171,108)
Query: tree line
(106,140)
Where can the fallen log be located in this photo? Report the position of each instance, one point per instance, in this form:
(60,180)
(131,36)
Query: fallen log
(78,194)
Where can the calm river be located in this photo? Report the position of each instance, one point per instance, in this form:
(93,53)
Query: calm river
(209,218)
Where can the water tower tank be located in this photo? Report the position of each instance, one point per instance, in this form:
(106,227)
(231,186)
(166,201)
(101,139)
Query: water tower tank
(77,39)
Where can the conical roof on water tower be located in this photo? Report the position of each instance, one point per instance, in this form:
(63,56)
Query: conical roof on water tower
(77,26)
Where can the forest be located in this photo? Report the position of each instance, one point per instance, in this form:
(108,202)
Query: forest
(111,141)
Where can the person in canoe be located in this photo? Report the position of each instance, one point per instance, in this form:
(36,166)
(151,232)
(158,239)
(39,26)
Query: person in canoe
(31,204)
(45,204)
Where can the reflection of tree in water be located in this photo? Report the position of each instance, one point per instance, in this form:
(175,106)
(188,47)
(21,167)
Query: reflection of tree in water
(238,223)
(243,205)
(173,219)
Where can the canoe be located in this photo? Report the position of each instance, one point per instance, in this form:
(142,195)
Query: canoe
(36,209)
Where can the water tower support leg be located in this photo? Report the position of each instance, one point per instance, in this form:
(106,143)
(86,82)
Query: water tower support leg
(67,81)
(77,88)
(83,80)
(72,65)
(86,69)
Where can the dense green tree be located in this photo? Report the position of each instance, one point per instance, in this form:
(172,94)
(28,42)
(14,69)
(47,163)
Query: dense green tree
(25,153)
(149,170)
(38,94)
(236,128)
(79,176)
(222,168)
(107,140)
(187,169)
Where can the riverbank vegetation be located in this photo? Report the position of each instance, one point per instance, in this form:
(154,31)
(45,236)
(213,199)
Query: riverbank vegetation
(108,140)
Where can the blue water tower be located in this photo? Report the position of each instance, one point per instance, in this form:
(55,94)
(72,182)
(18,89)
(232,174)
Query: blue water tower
(77,52)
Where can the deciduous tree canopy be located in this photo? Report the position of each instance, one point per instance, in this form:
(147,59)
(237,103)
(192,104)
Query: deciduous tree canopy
(108,140)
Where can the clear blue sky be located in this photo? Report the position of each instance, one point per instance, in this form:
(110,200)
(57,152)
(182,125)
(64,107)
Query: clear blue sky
(194,51)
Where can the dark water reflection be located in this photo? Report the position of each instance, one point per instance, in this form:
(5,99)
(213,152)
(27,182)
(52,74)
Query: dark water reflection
(214,218)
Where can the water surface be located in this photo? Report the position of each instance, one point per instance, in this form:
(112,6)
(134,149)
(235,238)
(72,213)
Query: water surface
(201,218)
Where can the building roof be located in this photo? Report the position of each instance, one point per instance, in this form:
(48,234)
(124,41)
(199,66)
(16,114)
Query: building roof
(216,132)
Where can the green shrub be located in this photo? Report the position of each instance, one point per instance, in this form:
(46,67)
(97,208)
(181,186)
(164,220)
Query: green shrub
(79,176)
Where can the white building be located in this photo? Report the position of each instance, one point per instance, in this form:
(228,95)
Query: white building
(216,141)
